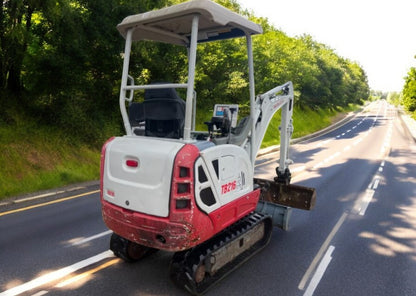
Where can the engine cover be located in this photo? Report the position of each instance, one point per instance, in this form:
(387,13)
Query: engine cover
(137,174)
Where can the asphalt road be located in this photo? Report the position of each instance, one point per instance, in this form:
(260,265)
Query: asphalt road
(359,240)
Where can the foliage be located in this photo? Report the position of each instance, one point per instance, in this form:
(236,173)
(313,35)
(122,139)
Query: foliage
(409,91)
(60,65)
(394,98)
(60,69)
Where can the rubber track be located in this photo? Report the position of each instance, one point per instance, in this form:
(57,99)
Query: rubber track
(184,264)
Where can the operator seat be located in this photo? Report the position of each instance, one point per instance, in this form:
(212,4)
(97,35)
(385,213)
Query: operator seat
(164,113)
(238,134)
(136,118)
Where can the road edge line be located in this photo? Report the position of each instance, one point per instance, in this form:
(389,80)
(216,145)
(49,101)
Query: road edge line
(56,275)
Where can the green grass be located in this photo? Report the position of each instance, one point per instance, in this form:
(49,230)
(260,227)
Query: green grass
(34,158)
(305,121)
(37,157)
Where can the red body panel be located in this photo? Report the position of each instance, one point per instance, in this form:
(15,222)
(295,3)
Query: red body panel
(235,210)
(186,226)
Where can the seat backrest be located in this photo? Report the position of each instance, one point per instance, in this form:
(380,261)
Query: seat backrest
(238,135)
(164,112)
(136,114)
(161,93)
(241,131)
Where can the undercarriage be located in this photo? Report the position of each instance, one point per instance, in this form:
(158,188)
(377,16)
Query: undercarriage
(199,268)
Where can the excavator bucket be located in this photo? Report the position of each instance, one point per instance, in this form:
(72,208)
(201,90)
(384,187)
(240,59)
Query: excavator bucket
(277,200)
(293,196)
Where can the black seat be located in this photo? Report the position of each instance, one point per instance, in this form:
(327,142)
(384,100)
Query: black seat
(164,113)
(238,135)
(136,114)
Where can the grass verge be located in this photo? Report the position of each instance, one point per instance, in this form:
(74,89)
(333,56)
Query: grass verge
(305,122)
(35,158)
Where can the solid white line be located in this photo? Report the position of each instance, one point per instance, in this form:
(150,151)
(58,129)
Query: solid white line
(56,275)
(321,251)
(319,272)
(38,196)
(87,239)
(41,293)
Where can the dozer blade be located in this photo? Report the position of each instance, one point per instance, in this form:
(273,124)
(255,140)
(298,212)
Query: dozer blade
(294,196)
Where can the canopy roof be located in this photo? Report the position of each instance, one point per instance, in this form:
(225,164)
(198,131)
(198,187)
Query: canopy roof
(173,24)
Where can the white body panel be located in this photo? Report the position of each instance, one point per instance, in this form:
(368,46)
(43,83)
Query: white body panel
(229,175)
(145,188)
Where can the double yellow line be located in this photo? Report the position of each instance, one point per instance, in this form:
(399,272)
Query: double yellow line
(48,203)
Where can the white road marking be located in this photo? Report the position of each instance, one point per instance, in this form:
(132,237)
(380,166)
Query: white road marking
(298,169)
(87,239)
(375,185)
(319,164)
(321,251)
(319,272)
(357,141)
(41,293)
(56,275)
(39,196)
(366,201)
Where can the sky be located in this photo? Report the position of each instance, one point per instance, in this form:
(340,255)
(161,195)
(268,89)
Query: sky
(380,35)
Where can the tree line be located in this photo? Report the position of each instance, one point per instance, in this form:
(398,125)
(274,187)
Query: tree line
(408,99)
(61,62)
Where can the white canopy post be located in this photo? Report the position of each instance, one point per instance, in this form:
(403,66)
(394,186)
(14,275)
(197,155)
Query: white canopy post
(191,78)
(124,77)
(253,151)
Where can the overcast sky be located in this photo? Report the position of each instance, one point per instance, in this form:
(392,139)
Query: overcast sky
(380,35)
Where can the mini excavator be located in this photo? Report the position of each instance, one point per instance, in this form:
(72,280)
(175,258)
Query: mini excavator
(166,186)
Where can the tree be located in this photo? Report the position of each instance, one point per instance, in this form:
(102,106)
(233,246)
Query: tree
(15,26)
(409,91)
(61,60)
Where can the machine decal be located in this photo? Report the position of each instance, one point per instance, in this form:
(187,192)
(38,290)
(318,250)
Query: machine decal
(228,187)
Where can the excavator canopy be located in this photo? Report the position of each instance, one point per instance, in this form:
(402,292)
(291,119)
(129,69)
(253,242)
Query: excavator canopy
(174,24)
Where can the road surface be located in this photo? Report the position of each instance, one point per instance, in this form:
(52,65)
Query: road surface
(359,240)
